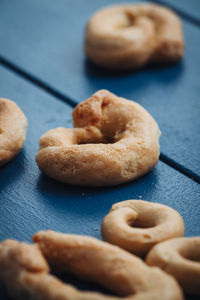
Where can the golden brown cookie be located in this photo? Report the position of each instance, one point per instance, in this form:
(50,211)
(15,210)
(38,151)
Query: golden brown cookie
(108,265)
(137,225)
(114,141)
(24,270)
(180,258)
(13,125)
(129,36)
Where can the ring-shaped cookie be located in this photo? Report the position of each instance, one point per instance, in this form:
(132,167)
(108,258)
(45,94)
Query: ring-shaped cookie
(108,265)
(25,271)
(129,36)
(13,125)
(180,258)
(115,141)
(137,225)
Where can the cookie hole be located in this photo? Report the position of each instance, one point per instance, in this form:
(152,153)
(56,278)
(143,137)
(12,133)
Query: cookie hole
(109,140)
(127,21)
(141,223)
(130,19)
(191,254)
(83,285)
(105,140)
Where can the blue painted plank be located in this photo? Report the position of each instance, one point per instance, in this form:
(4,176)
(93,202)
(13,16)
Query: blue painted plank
(46,39)
(29,201)
(191,8)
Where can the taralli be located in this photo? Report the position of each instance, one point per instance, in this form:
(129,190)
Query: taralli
(137,225)
(115,141)
(115,269)
(132,35)
(179,257)
(13,125)
(24,270)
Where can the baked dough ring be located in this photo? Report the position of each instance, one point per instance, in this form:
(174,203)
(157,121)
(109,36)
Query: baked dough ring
(13,125)
(131,35)
(137,225)
(179,257)
(108,265)
(25,271)
(115,141)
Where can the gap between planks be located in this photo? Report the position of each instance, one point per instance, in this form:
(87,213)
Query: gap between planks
(53,92)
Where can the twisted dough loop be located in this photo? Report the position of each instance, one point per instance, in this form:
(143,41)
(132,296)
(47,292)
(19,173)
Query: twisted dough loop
(115,141)
(13,125)
(25,271)
(179,257)
(115,268)
(137,225)
(129,36)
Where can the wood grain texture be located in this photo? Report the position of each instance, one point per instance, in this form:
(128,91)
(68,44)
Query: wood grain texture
(45,38)
(30,201)
(48,40)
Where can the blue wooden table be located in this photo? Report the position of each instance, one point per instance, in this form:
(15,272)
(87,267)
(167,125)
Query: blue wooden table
(44,70)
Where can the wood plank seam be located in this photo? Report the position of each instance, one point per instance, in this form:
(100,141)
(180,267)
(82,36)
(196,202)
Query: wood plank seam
(38,82)
(179,11)
(58,95)
(170,162)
